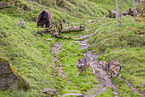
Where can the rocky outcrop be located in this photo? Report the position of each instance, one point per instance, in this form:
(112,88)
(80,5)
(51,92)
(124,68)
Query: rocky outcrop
(9,78)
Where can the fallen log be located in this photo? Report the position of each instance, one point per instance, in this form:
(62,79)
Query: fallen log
(56,35)
(72,29)
(56,32)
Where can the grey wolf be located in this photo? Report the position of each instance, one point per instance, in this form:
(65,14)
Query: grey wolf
(84,63)
(110,68)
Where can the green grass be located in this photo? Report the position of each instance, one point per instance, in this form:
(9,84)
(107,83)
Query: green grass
(30,53)
(124,45)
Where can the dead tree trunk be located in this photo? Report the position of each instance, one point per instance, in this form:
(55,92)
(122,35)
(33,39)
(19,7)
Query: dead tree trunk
(137,2)
(144,7)
(120,15)
(116,10)
(134,8)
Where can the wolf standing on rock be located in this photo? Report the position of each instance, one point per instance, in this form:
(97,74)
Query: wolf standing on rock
(110,68)
(44,18)
(83,64)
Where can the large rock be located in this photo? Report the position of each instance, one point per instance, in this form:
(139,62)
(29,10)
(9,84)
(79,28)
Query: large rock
(9,78)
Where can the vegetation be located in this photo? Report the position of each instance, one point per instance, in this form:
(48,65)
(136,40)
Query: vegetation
(31,54)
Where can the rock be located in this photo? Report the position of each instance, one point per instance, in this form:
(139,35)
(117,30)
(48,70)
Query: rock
(73,94)
(49,39)
(9,78)
(21,23)
(50,92)
(89,21)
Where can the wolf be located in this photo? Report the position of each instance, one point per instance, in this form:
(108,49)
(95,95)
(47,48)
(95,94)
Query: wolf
(84,63)
(110,68)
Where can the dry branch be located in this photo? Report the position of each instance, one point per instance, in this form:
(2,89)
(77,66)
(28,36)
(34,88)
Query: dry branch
(116,10)
(120,16)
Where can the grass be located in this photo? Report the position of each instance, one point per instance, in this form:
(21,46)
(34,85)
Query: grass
(124,45)
(30,54)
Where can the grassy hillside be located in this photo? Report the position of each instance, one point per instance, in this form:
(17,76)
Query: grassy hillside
(31,54)
(125,45)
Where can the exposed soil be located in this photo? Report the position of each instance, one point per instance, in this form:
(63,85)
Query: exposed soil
(56,50)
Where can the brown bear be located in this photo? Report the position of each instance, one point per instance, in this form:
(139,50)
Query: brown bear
(44,18)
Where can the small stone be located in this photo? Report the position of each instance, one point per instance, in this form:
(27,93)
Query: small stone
(89,21)
(50,92)
(49,39)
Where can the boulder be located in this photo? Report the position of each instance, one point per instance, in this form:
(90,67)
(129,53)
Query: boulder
(9,78)
(21,23)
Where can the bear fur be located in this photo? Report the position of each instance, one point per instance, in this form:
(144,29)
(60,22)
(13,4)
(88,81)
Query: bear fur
(44,18)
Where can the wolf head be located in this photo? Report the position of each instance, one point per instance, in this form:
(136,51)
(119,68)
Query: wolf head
(80,64)
(102,64)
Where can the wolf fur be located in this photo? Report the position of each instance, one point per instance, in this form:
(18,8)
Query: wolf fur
(84,63)
(111,67)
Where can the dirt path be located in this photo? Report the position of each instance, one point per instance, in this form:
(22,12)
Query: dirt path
(105,81)
(56,50)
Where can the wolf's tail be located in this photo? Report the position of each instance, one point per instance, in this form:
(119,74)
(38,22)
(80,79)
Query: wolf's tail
(120,68)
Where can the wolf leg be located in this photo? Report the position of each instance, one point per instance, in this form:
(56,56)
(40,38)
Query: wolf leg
(107,73)
(103,75)
(110,74)
(79,72)
(91,65)
(119,75)
(115,73)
